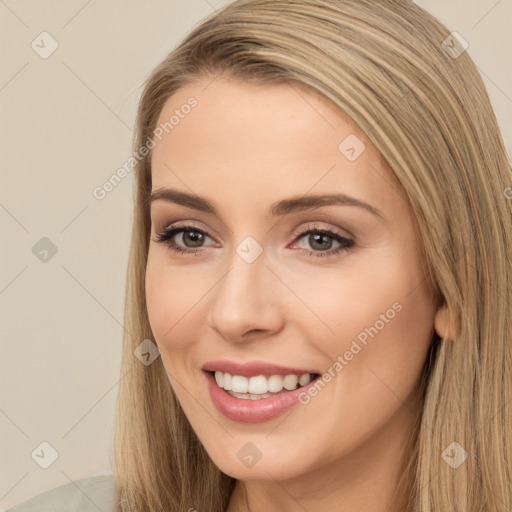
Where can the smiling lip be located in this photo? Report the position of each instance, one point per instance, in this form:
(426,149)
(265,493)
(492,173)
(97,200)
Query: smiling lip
(254,368)
(253,411)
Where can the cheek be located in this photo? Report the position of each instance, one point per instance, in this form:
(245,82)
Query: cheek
(378,318)
(169,298)
(380,324)
(157,301)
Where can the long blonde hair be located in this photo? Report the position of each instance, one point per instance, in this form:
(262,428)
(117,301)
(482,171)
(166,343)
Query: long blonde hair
(411,87)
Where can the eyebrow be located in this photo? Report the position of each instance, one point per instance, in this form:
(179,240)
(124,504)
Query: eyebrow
(279,208)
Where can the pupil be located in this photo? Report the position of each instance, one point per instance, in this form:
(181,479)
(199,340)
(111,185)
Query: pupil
(195,237)
(319,238)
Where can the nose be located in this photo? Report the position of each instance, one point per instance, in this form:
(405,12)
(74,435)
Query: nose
(245,303)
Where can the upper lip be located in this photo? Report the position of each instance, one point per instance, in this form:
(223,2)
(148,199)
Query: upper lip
(253,368)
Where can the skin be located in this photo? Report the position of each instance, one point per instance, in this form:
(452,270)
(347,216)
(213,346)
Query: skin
(244,147)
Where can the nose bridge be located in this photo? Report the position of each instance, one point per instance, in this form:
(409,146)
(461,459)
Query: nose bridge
(244,300)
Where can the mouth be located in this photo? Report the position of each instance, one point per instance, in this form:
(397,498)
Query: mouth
(257,397)
(260,387)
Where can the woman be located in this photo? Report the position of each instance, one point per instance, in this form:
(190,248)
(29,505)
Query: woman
(321,252)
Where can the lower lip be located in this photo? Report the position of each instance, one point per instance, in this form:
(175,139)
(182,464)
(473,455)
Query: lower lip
(252,411)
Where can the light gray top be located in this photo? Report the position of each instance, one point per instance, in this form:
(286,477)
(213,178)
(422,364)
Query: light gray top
(91,494)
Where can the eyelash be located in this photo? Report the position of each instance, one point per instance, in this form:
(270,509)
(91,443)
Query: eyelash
(166,235)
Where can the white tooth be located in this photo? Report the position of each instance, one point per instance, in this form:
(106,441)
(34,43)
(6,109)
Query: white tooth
(304,379)
(275,383)
(258,384)
(227,381)
(239,395)
(248,396)
(290,382)
(239,383)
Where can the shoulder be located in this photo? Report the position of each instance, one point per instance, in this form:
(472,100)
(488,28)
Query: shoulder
(85,495)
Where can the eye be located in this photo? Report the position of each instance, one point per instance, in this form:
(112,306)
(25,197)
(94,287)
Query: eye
(190,238)
(321,241)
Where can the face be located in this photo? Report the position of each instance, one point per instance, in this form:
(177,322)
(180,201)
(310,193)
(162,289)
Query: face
(252,273)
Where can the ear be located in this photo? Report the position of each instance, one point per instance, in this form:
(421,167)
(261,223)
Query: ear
(445,324)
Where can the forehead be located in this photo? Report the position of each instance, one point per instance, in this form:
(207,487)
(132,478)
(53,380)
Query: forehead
(256,114)
(260,143)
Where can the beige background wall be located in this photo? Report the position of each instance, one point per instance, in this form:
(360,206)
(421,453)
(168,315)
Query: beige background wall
(66,128)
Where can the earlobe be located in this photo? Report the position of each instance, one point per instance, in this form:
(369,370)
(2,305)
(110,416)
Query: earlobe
(445,324)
